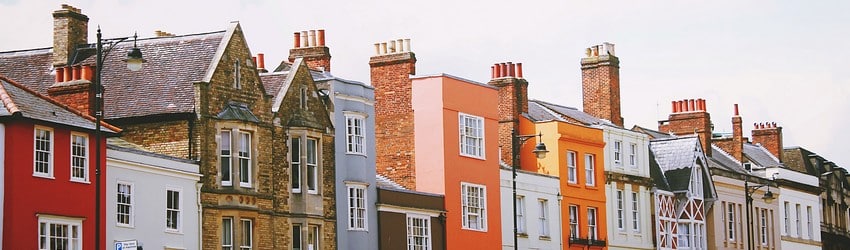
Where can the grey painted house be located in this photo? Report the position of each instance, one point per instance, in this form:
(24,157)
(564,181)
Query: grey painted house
(151,198)
(353,114)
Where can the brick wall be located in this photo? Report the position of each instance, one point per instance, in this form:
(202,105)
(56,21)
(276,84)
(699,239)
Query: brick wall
(690,117)
(70,29)
(74,95)
(166,137)
(394,142)
(770,137)
(317,58)
(511,105)
(600,81)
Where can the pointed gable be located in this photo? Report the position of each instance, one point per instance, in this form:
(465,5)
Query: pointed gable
(298,102)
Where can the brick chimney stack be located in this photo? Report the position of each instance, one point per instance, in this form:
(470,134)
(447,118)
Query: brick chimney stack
(513,102)
(770,137)
(311,46)
(390,69)
(690,117)
(70,30)
(72,87)
(735,145)
(600,82)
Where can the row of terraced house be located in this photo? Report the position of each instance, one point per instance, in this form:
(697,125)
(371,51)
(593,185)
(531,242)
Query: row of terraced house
(206,148)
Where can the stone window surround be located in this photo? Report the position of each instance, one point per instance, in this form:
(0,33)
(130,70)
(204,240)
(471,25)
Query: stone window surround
(304,134)
(235,129)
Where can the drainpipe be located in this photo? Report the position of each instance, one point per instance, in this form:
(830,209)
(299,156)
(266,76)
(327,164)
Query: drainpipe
(200,214)
(560,219)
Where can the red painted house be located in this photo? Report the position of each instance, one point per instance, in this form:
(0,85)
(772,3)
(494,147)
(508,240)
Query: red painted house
(47,161)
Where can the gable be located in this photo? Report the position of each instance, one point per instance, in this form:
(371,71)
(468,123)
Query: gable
(299,102)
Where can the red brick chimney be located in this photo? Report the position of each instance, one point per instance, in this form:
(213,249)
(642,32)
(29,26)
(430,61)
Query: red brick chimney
(600,82)
(689,117)
(513,102)
(70,30)
(770,137)
(73,87)
(311,46)
(390,68)
(735,145)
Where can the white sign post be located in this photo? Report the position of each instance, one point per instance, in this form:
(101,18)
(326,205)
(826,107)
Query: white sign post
(127,245)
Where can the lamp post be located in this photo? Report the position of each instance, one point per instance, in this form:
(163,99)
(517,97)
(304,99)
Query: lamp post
(539,150)
(134,63)
(768,198)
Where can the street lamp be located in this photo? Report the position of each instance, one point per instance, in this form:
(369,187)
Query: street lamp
(768,198)
(134,63)
(539,151)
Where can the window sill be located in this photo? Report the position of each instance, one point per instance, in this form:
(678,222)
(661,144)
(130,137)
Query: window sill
(245,185)
(546,238)
(522,235)
(476,230)
(81,181)
(356,154)
(43,176)
(171,231)
(130,226)
(312,192)
(359,230)
(473,156)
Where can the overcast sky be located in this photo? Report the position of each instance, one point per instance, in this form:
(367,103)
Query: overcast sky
(782,61)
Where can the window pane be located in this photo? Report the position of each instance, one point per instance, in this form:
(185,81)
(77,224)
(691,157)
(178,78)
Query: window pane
(295,161)
(224,156)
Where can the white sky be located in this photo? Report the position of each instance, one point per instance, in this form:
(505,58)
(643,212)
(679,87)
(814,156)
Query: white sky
(781,61)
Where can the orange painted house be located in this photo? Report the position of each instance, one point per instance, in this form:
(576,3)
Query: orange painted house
(575,156)
(456,145)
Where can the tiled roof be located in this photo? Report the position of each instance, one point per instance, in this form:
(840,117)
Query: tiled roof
(760,156)
(17,100)
(165,85)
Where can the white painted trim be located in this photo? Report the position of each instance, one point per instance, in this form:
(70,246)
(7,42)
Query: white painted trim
(460,123)
(86,167)
(132,204)
(278,99)
(146,168)
(352,98)
(2,176)
(220,51)
(51,160)
(180,208)
(407,210)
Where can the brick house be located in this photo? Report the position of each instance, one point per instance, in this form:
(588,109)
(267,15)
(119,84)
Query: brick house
(46,146)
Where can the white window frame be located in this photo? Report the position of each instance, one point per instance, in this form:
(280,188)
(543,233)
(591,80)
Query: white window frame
(471,130)
(763,226)
(297,237)
(466,207)
(618,152)
(544,217)
(798,221)
(295,163)
(786,214)
(632,154)
(574,231)
(522,227)
(357,208)
(246,238)
(130,207)
(227,233)
(43,241)
(590,170)
(621,213)
(635,211)
(571,167)
(809,222)
(684,235)
(354,134)
(592,223)
(730,224)
(169,210)
(312,167)
(49,152)
(416,233)
(314,233)
(76,157)
(244,155)
(225,156)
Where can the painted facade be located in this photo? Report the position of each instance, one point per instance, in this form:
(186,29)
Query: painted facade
(152,199)
(538,210)
(48,158)
(409,219)
(457,156)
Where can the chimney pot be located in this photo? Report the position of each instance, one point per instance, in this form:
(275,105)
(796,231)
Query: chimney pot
(254,59)
(87,72)
(519,70)
(755,125)
(312,35)
(504,69)
(297,40)
(304,39)
(407,44)
(60,74)
(736,110)
(77,71)
(400,45)
(691,103)
(321,38)
(68,73)
(595,50)
(511,69)
(492,72)
(392,46)
(761,125)
(377,49)
(384,49)
(261,60)
(773,124)
(498,68)
(673,107)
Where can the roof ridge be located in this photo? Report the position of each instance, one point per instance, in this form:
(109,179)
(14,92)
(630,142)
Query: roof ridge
(59,104)
(8,103)
(554,104)
(724,153)
(763,149)
(558,116)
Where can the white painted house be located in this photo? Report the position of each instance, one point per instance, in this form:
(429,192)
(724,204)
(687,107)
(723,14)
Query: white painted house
(538,210)
(151,199)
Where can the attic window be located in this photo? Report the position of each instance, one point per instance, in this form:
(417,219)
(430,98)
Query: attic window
(748,166)
(236,75)
(304,98)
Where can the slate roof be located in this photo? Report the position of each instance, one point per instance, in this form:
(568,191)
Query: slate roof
(274,81)
(653,134)
(676,158)
(237,111)
(760,156)
(797,159)
(570,113)
(18,101)
(385,183)
(721,160)
(163,86)
(537,113)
